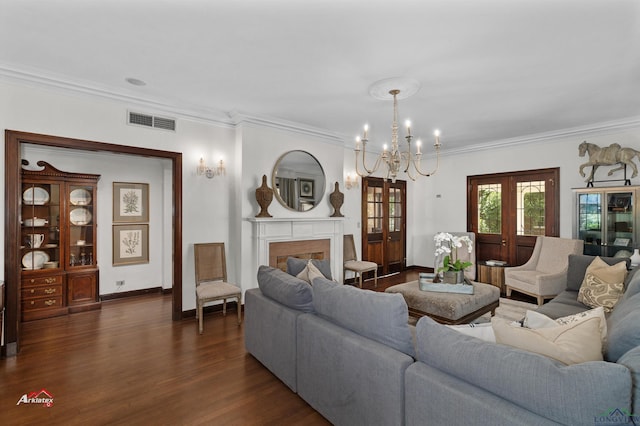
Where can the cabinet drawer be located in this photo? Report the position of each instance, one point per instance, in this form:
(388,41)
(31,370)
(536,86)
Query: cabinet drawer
(43,303)
(42,291)
(55,279)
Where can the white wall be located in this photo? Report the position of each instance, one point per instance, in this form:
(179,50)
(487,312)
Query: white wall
(217,209)
(206,202)
(117,168)
(440,203)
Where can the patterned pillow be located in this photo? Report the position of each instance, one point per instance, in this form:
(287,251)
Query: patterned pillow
(603,285)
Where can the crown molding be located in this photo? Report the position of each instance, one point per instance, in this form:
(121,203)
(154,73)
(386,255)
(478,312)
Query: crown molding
(236,118)
(245,119)
(606,127)
(162,106)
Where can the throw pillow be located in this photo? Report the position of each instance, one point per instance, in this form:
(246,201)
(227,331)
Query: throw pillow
(309,273)
(569,344)
(603,285)
(482,331)
(533,319)
(296,265)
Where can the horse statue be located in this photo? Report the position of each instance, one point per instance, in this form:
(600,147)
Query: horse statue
(613,154)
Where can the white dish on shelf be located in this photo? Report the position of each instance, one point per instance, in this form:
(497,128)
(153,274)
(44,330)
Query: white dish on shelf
(35,259)
(50,245)
(36,221)
(35,196)
(80,216)
(80,197)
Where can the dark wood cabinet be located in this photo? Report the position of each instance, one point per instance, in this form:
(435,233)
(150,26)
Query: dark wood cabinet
(58,242)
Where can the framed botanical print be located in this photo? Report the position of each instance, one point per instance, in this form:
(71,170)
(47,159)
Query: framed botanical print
(306,188)
(130,244)
(130,202)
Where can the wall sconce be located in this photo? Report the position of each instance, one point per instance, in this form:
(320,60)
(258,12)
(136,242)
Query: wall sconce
(210,172)
(351,182)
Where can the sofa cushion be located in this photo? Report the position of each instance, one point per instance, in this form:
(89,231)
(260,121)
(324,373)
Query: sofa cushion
(578,264)
(296,265)
(632,284)
(286,289)
(566,303)
(309,273)
(382,317)
(535,382)
(624,329)
(631,360)
(571,343)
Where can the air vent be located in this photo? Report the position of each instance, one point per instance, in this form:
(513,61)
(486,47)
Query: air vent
(147,120)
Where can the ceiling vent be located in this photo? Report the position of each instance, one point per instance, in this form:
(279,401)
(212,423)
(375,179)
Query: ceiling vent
(147,120)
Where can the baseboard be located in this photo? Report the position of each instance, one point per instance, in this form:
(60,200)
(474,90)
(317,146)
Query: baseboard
(132,293)
(231,308)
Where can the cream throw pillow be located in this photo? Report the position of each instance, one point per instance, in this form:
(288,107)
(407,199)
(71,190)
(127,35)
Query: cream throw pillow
(569,344)
(309,273)
(533,319)
(603,284)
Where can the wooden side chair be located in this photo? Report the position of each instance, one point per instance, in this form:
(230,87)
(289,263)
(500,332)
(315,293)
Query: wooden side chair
(211,280)
(351,262)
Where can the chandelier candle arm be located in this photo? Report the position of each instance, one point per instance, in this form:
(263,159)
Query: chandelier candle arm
(394,157)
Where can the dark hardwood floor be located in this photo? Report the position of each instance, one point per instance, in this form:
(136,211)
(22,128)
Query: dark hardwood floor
(128,363)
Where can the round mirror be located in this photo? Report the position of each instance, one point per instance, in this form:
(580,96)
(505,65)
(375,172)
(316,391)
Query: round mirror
(298,181)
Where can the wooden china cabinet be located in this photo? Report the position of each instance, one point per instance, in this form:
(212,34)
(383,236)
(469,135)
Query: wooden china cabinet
(58,242)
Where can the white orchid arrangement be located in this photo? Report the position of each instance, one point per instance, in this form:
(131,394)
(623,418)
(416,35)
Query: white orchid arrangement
(448,244)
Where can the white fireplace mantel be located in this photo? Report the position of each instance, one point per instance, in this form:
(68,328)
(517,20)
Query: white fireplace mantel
(268,230)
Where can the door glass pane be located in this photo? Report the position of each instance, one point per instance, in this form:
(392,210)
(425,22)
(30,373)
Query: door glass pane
(530,208)
(395,209)
(490,208)
(374,210)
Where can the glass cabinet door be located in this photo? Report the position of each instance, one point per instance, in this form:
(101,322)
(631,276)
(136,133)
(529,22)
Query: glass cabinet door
(606,221)
(81,239)
(590,222)
(40,230)
(620,223)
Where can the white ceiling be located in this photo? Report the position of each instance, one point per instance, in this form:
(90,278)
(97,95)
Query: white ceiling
(489,69)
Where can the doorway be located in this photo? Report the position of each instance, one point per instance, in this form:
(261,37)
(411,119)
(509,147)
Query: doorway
(508,211)
(13,163)
(384,212)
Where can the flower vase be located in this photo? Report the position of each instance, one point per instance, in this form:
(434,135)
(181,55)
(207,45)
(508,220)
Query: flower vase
(635,258)
(453,277)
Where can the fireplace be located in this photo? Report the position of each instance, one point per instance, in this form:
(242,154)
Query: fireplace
(303,249)
(278,238)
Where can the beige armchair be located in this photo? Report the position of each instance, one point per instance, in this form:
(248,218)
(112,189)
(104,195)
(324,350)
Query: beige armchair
(544,275)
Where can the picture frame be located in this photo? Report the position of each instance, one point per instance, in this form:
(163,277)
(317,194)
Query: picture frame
(130,244)
(306,187)
(130,202)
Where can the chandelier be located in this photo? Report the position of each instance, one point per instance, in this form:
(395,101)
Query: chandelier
(395,159)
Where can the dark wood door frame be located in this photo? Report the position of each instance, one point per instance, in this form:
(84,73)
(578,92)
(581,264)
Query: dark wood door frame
(516,249)
(13,141)
(382,253)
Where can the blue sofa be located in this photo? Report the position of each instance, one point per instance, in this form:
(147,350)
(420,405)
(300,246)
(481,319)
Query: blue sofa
(349,354)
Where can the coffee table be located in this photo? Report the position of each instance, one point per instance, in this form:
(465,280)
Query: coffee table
(449,308)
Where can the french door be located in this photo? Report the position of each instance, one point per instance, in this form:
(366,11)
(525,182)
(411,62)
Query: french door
(384,212)
(508,211)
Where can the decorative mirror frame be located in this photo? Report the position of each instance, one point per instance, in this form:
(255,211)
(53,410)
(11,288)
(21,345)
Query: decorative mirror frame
(308,190)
